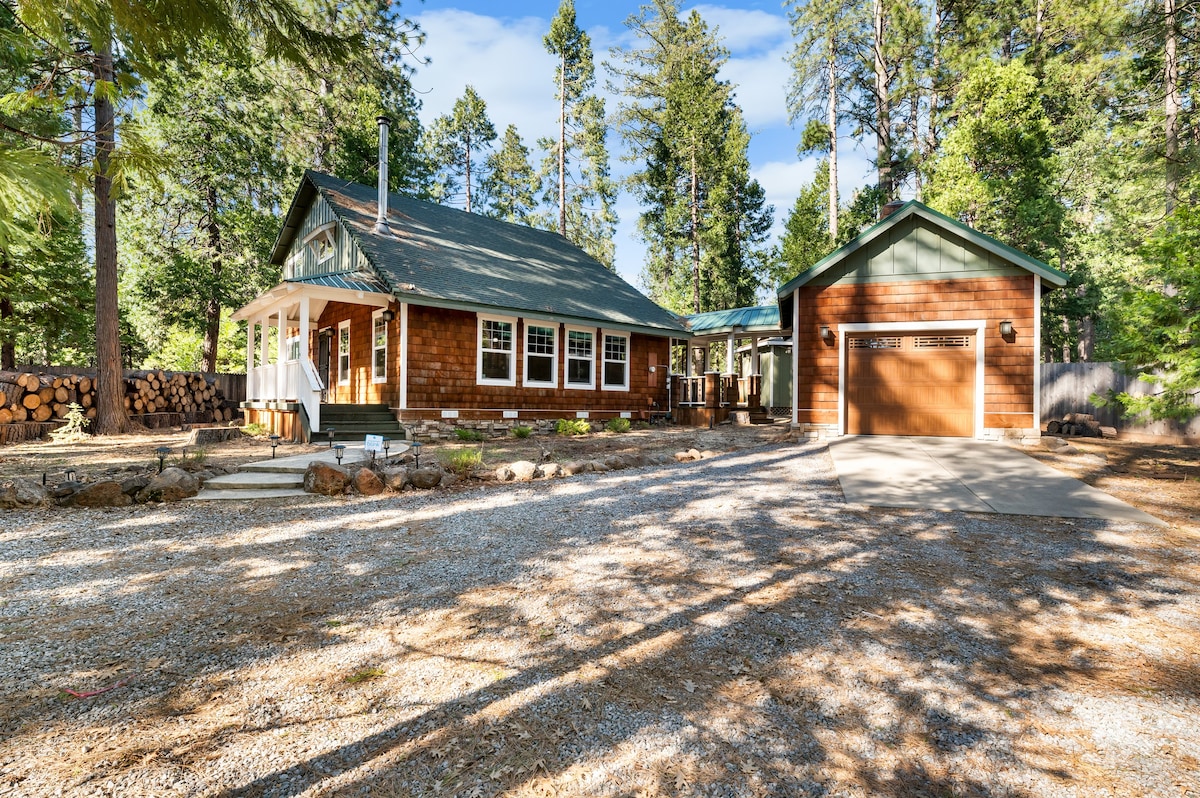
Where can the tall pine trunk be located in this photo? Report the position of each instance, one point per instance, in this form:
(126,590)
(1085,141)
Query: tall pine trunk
(212,309)
(467,171)
(562,147)
(110,409)
(1171,103)
(8,346)
(694,192)
(833,137)
(883,109)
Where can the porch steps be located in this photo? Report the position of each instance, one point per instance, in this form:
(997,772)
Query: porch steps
(355,422)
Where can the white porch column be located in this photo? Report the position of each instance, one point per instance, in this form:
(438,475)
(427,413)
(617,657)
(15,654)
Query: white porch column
(304,323)
(251,389)
(281,355)
(689,352)
(754,369)
(729,352)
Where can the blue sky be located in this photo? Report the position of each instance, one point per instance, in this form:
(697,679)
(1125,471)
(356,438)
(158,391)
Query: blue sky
(497,48)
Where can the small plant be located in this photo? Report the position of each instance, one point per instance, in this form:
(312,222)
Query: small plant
(193,459)
(255,429)
(464,462)
(522,432)
(617,425)
(642,425)
(572,426)
(75,429)
(468,435)
(366,674)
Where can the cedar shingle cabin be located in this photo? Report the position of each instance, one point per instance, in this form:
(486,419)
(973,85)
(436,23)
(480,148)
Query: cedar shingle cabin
(441,316)
(919,326)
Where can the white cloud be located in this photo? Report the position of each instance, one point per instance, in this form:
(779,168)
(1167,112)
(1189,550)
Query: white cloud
(504,60)
(744,30)
(761,86)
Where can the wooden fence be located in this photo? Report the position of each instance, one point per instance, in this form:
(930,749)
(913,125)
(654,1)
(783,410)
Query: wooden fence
(1068,388)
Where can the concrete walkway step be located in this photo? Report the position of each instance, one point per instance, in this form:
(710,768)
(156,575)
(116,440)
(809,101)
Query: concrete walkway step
(209,495)
(298,463)
(256,480)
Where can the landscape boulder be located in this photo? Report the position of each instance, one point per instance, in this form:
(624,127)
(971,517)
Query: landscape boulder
(574,467)
(106,493)
(132,485)
(368,483)
(172,485)
(551,470)
(395,478)
(19,493)
(597,465)
(326,479)
(616,462)
(425,478)
(523,470)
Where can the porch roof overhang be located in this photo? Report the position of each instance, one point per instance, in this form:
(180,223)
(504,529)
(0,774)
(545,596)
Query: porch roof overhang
(352,289)
(715,325)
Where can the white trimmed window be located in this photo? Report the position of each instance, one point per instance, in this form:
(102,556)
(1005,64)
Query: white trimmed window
(541,354)
(293,347)
(616,362)
(379,329)
(343,361)
(322,243)
(581,358)
(497,351)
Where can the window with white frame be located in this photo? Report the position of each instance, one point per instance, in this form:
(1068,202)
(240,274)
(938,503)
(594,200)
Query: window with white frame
(293,347)
(343,361)
(616,362)
(541,354)
(580,358)
(378,347)
(497,353)
(321,242)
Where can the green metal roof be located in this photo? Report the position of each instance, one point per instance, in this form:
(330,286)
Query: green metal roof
(757,319)
(443,256)
(352,282)
(911,208)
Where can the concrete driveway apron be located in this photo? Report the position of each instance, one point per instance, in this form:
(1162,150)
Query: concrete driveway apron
(968,475)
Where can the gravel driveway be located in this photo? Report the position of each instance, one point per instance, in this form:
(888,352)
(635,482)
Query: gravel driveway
(723,628)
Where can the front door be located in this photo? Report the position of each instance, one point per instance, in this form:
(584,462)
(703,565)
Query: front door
(324,355)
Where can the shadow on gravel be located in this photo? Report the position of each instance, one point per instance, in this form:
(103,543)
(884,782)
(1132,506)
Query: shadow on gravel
(728,628)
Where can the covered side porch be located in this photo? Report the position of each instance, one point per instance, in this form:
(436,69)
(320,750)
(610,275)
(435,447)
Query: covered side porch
(717,373)
(289,365)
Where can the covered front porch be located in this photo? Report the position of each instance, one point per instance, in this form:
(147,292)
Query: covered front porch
(294,354)
(717,372)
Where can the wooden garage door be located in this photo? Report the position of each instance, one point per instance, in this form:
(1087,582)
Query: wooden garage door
(911,384)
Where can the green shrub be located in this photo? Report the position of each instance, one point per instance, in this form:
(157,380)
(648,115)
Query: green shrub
(572,426)
(473,435)
(255,429)
(642,425)
(617,425)
(522,432)
(463,462)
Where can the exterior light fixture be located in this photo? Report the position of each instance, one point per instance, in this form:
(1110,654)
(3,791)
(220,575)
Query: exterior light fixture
(338,451)
(274,442)
(331,430)
(70,475)
(826,333)
(388,314)
(162,452)
(387,444)
(1006,328)
(416,447)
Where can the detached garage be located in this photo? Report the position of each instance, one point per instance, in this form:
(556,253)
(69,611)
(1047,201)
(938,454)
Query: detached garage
(919,326)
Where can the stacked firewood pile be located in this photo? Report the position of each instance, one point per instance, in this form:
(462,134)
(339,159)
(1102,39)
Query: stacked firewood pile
(28,397)
(1081,425)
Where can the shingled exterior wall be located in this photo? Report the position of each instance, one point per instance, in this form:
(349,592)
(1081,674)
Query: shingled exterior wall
(1008,365)
(361,390)
(442,367)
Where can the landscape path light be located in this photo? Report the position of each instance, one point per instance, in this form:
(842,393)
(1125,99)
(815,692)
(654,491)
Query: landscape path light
(162,452)
(416,447)
(338,450)
(274,442)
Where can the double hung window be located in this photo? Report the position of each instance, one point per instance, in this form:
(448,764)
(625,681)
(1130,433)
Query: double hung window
(541,354)
(497,353)
(616,362)
(580,358)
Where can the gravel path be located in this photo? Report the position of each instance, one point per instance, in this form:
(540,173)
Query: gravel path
(723,628)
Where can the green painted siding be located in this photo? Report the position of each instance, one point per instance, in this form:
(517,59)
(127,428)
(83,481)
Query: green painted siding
(302,259)
(916,250)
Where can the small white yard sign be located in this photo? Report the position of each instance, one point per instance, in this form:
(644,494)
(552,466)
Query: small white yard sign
(373,443)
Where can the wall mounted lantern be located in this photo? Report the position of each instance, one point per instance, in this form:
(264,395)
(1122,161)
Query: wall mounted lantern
(1006,328)
(826,333)
(388,314)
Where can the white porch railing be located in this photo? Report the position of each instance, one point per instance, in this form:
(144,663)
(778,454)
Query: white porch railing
(291,381)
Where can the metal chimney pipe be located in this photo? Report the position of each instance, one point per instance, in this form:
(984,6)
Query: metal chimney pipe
(381,222)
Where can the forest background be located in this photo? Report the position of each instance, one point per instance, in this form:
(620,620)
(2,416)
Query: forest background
(147,152)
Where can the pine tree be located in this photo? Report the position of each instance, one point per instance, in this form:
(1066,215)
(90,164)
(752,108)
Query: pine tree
(510,184)
(456,144)
(806,234)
